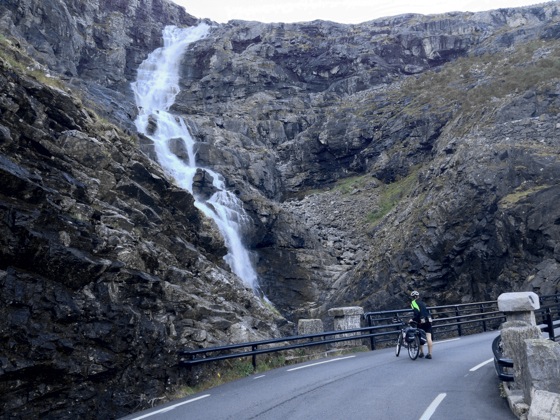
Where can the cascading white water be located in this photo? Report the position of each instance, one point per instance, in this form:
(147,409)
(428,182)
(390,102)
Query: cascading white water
(155,89)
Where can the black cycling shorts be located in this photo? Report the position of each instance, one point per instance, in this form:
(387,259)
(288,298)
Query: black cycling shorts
(427,327)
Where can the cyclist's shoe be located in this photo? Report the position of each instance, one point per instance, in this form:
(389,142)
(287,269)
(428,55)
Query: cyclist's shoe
(421,355)
(428,356)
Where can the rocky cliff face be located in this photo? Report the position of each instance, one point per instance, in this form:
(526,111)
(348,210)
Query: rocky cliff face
(398,154)
(107,269)
(416,152)
(96,46)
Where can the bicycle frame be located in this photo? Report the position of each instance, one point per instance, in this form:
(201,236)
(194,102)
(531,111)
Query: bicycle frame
(413,346)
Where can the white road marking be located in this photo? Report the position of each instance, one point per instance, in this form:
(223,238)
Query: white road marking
(320,363)
(445,341)
(259,377)
(163,410)
(433,406)
(480,365)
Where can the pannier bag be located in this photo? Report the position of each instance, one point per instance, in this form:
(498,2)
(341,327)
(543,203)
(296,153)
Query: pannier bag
(410,335)
(423,339)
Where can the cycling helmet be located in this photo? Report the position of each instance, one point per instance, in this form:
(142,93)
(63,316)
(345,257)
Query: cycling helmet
(414,294)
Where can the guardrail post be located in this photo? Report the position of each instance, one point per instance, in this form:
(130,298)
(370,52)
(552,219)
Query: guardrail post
(254,357)
(457,314)
(549,324)
(483,320)
(372,338)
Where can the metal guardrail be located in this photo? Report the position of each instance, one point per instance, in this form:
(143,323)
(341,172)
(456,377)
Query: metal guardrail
(548,316)
(193,357)
(448,321)
(501,364)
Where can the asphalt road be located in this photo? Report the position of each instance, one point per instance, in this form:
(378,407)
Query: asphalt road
(458,383)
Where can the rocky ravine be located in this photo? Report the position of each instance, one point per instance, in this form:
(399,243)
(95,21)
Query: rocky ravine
(410,152)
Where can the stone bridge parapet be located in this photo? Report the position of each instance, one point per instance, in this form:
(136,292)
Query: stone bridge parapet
(535,392)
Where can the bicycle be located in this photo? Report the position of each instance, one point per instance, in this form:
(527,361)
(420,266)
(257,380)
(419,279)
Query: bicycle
(410,336)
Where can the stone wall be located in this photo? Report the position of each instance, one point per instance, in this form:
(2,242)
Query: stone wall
(535,392)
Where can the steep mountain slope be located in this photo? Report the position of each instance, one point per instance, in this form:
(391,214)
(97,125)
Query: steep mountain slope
(411,152)
(397,154)
(107,269)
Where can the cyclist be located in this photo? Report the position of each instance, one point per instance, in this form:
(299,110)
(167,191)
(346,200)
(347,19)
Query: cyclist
(423,318)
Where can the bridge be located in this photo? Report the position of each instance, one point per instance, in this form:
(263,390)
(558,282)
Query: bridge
(460,382)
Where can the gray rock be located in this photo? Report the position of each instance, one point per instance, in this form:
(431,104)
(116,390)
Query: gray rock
(544,376)
(107,269)
(545,405)
(411,152)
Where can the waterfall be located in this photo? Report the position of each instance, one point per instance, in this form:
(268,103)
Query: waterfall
(155,89)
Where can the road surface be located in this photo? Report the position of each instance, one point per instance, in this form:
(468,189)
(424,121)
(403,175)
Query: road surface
(458,383)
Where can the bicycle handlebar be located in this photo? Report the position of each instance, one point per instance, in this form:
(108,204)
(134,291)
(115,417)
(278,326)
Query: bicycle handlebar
(412,323)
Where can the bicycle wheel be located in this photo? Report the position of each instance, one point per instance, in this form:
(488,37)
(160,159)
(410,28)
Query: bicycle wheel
(399,345)
(414,347)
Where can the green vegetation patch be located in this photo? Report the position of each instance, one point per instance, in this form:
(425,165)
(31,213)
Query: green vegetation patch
(472,83)
(232,370)
(350,184)
(391,195)
(16,59)
(520,194)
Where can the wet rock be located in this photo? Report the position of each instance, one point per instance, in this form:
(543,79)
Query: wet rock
(104,264)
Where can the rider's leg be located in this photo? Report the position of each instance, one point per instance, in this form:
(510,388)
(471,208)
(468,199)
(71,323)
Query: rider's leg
(429,340)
